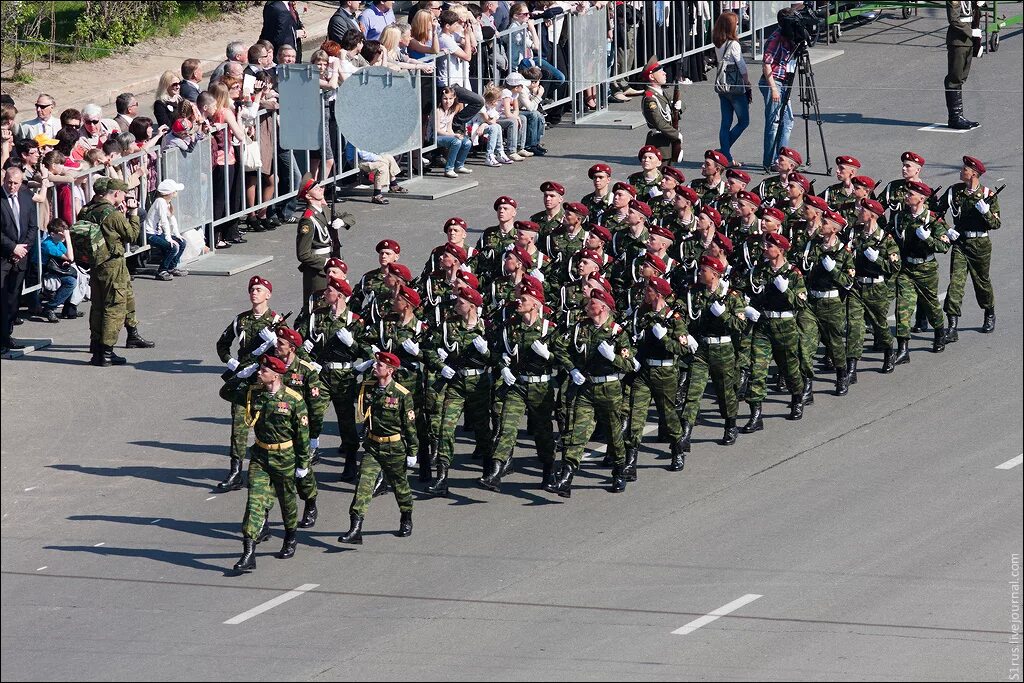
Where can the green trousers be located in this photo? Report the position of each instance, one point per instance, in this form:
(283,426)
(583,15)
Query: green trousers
(868,304)
(808,340)
(239,432)
(271,476)
(660,384)
(778,338)
(831,317)
(917,281)
(970,256)
(460,392)
(717,363)
(538,402)
(343,388)
(113,302)
(389,457)
(589,405)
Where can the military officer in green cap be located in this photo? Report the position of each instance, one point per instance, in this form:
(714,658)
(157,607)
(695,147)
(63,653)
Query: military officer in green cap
(657,112)
(314,243)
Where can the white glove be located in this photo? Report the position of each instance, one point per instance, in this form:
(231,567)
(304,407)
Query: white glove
(922,233)
(447,372)
(577,377)
(262,348)
(307,346)
(300,472)
(248,371)
(442,354)
(507,375)
(268,335)
(480,344)
(717,308)
(975,33)
(692,343)
(871,254)
(982,206)
(607,350)
(658,330)
(316,366)
(828,263)
(345,337)
(636,364)
(410,461)
(678,105)
(654,192)
(314,443)
(751,314)
(953,234)
(337,224)
(232,364)
(364,366)
(679,157)
(537,274)
(541,349)
(781,283)
(411,347)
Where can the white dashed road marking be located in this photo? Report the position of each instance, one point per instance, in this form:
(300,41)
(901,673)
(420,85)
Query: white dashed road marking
(1011,463)
(712,616)
(271,604)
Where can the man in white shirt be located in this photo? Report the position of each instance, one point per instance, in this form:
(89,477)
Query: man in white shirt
(44,122)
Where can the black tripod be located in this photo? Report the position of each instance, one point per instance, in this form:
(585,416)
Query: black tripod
(804,75)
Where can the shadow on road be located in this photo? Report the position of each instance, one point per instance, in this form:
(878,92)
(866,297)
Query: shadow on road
(183,476)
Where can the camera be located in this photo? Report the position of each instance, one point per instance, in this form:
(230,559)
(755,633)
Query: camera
(801,26)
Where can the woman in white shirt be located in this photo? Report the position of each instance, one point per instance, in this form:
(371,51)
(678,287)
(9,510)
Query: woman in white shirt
(162,229)
(727,48)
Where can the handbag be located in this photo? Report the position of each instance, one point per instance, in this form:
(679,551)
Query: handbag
(59,268)
(251,157)
(728,81)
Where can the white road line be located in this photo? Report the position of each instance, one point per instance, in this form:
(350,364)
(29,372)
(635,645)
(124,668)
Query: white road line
(598,453)
(99,544)
(271,604)
(31,488)
(211,497)
(1011,463)
(892,318)
(41,568)
(712,616)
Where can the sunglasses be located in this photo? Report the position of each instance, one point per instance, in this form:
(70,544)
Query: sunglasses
(176,85)
(90,122)
(44,106)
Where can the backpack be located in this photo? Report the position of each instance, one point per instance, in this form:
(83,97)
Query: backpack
(87,238)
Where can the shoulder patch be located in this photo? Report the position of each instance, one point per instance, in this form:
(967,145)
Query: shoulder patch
(303,228)
(652,104)
(294,394)
(400,389)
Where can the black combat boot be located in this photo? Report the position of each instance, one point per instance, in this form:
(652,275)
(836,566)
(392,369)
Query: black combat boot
(425,459)
(548,475)
(563,486)
(842,382)
(136,341)
(796,407)
(288,547)
(354,535)
(678,457)
(264,534)
(952,333)
(492,479)
(755,423)
(744,384)
(506,467)
(990,321)
(729,437)
(608,460)
(439,487)
(629,469)
(851,369)
(618,479)
(351,471)
(684,440)
(920,322)
(828,364)
(309,514)
(939,341)
(405,525)
(955,108)
(888,361)
(105,356)
(234,480)
(247,562)
(808,390)
(902,351)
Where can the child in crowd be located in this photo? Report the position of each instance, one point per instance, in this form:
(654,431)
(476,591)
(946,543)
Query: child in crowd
(486,122)
(512,123)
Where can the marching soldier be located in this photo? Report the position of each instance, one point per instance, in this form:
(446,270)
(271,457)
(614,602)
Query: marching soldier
(744,223)
(711,186)
(863,187)
(566,241)
(728,204)
(647,180)
(629,243)
(387,413)
(658,113)
(877,260)
(334,267)
(313,242)
(615,219)
(437,290)
(975,211)
(371,284)
(280,455)
(600,200)
(799,254)
(455,230)
(496,240)
(840,195)
(551,218)
(663,202)
(798,189)
(517,262)
(774,190)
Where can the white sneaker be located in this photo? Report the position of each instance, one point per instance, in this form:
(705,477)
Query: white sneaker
(449,173)
(524,153)
(516,157)
(505,159)
(463,169)
(491,161)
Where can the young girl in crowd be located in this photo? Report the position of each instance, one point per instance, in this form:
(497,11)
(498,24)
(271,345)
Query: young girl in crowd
(486,122)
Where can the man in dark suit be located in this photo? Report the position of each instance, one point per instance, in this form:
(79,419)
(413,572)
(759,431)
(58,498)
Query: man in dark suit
(279,25)
(343,21)
(20,231)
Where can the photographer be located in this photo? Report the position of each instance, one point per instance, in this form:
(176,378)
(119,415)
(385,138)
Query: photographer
(776,79)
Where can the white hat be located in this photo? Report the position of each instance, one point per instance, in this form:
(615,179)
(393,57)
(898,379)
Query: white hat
(515,78)
(168,186)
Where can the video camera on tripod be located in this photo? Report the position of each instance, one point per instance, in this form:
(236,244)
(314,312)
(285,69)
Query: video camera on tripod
(801,27)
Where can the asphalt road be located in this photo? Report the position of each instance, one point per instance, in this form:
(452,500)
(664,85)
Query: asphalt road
(878,533)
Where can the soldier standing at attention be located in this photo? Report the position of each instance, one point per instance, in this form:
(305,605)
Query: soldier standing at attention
(736,181)
(600,200)
(615,217)
(877,260)
(647,179)
(963,39)
(658,113)
(663,202)
(313,243)
(387,414)
(975,211)
(254,330)
(550,219)
(280,455)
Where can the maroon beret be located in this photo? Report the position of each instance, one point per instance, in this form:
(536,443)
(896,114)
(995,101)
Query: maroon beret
(920,188)
(864,181)
(648,149)
(912,156)
(578,208)
(712,213)
(847,160)
(337,284)
(533,288)
(872,205)
(410,295)
(833,216)
(523,256)
(660,285)
(817,202)
(661,231)
(773,213)
(261,281)
(552,186)
(455,221)
(722,240)
(641,207)
(800,180)
(656,261)
(739,175)
(674,173)
(625,187)
(713,263)
(290,336)
(778,239)
(689,193)
(717,157)
(599,168)
(335,263)
(400,270)
(388,359)
(749,197)
(526,225)
(388,244)
(472,296)
(456,251)
(604,296)
(792,154)
(505,199)
(601,232)
(975,163)
(589,254)
(273,363)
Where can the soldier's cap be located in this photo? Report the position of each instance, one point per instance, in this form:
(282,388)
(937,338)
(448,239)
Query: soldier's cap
(792,155)
(920,188)
(523,256)
(847,160)
(648,149)
(339,285)
(577,208)
(534,290)
(773,213)
(660,285)
(529,226)
(661,231)
(690,194)
(625,187)
(712,213)
(833,216)
(640,207)
(100,186)
(530,281)
(261,281)
(472,296)
(505,199)
(714,264)
(604,296)
(975,163)
(674,173)
(601,232)
(307,183)
(401,271)
(778,239)
(599,168)
(656,262)
(817,202)
(386,358)
(589,255)
(601,281)
(552,186)
(723,241)
(468,278)
(456,251)
(112,185)
(717,157)
(290,336)
(455,220)
(649,69)
(864,181)
(800,180)
(739,175)
(410,295)
(388,244)
(335,262)
(273,363)
(872,205)
(912,156)
(749,198)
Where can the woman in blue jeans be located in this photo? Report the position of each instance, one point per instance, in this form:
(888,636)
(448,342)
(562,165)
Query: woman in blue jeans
(730,56)
(456,145)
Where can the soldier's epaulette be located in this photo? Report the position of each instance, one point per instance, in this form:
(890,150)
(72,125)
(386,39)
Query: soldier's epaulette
(306,364)
(648,93)
(400,389)
(356,317)
(294,394)
(308,213)
(797,271)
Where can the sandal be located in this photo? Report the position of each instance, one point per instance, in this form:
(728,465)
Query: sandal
(398,189)
(379,199)
(591,103)
(223,245)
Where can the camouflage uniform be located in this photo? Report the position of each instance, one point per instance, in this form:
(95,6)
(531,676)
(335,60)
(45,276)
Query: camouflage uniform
(772,191)
(598,206)
(776,334)
(715,358)
(644,185)
(560,246)
(491,248)
(547,224)
(389,414)
(871,297)
(919,276)
(303,378)
(658,376)
(826,291)
(390,335)
(709,194)
(370,294)
(972,250)
(112,296)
